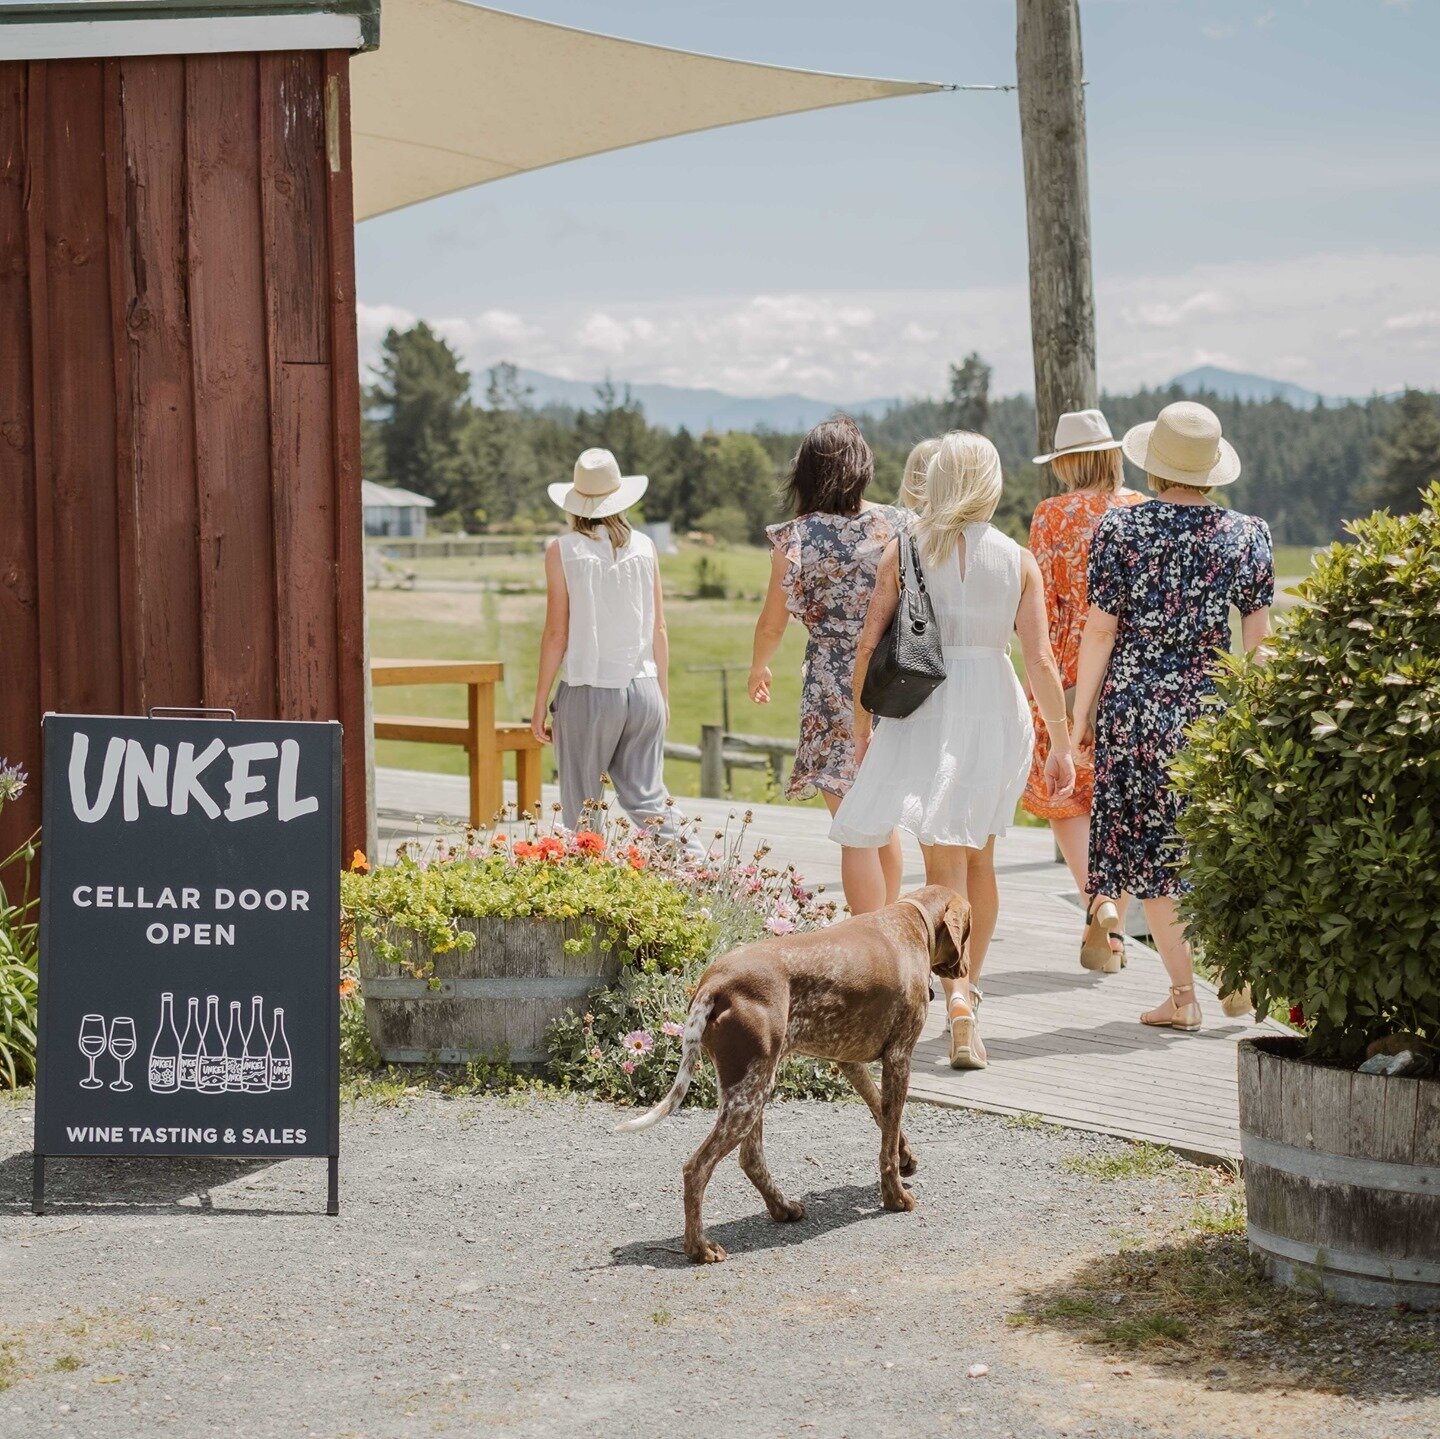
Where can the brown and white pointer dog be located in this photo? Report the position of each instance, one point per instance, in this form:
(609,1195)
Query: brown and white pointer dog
(854,992)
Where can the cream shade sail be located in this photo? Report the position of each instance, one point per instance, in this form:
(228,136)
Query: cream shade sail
(458,95)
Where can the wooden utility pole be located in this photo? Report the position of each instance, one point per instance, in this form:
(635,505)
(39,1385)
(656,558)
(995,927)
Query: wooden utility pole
(1050,75)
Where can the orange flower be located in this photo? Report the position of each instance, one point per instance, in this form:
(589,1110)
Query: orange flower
(588,842)
(358,863)
(523,849)
(348,986)
(636,856)
(499,841)
(549,847)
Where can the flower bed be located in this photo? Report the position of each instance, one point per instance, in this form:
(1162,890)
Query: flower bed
(667,910)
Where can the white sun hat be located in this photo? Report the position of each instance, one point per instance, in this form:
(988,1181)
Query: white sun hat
(599,488)
(1077,432)
(1183,445)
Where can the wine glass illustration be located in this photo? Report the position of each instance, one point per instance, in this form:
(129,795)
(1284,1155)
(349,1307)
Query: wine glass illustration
(122,1046)
(92,1046)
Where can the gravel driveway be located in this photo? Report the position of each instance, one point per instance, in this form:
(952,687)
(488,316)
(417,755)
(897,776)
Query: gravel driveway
(513,1268)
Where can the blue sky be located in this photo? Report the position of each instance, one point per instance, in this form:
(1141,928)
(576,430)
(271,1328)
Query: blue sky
(1265,192)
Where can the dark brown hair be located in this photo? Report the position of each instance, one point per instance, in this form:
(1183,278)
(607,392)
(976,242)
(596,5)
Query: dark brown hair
(831,470)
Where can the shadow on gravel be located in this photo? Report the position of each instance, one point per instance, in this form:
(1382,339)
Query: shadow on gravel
(825,1211)
(1199,1306)
(138,1186)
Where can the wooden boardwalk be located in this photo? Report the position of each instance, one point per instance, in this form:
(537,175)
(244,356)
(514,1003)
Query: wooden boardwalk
(1064,1043)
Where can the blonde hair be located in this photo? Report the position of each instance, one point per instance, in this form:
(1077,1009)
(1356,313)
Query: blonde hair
(1090,470)
(1159,485)
(912,483)
(962,487)
(615,527)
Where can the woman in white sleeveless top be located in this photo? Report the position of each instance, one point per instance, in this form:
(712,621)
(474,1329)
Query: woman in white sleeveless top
(952,772)
(605,621)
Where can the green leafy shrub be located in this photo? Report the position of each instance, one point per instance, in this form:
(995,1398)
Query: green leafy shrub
(19,954)
(1314,818)
(711,582)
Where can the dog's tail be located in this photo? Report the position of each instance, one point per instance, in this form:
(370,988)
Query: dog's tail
(695,1023)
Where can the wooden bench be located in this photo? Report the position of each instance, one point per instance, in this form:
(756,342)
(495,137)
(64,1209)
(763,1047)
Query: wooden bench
(483,740)
(513,739)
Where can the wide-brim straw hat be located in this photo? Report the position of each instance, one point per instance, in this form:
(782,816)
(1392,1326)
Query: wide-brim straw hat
(599,489)
(1079,432)
(1183,445)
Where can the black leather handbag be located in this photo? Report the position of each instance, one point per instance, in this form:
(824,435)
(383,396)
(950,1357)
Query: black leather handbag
(908,664)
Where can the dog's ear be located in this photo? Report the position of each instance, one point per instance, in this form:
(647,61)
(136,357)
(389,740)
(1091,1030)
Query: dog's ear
(952,941)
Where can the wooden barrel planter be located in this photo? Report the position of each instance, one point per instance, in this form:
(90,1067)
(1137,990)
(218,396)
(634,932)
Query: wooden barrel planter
(1342,1176)
(493,1001)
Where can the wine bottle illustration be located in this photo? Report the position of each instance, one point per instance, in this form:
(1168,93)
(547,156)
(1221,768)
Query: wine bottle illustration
(234,1050)
(190,1046)
(254,1052)
(279,1054)
(164,1068)
(210,1060)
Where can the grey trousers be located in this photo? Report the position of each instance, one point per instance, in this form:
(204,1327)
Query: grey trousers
(620,733)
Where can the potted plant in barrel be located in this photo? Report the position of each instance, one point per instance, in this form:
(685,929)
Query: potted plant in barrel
(1314,837)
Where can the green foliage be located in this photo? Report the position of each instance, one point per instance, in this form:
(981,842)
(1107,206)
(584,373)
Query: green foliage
(1408,457)
(710,581)
(638,913)
(422,396)
(1314,817)
(969,395)
(727,523)
(19,954)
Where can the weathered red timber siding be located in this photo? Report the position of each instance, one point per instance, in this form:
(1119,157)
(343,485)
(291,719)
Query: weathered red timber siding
(179,397)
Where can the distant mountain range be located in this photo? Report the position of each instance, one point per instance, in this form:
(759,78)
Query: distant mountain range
(699,410)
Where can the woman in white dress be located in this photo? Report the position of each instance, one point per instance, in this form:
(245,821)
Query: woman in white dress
(952,772)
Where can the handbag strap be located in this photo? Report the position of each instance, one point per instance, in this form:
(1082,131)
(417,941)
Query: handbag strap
(909,540)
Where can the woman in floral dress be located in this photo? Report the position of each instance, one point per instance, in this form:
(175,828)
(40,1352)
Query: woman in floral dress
(1162,579)
(1086,461)
(822,573)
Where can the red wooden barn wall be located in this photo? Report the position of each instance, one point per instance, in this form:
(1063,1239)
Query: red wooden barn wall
(180,517)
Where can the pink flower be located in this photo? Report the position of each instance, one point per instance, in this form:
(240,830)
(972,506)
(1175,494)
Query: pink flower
(779,924)
(628,1066)
(639,1041)
(595,1052)
(673,1030)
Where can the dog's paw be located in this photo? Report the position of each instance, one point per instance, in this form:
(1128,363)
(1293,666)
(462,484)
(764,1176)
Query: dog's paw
(909,1162)
(787,1211)
(706,1252)
(901,1202)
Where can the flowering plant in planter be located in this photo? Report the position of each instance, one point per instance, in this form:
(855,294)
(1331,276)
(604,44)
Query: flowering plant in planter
(669,908)
(1314,818)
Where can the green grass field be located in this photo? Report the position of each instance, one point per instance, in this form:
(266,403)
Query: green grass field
(504,622)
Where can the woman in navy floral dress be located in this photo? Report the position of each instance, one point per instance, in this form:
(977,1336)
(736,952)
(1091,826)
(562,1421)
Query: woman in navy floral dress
(1162,580)
(822,573)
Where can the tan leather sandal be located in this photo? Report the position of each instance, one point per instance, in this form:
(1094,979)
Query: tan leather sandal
(1184,1017)
(1238,1003)
(1097,952)
(965,1030)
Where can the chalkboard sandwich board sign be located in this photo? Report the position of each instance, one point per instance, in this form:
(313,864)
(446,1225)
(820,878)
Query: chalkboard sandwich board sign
(189,940)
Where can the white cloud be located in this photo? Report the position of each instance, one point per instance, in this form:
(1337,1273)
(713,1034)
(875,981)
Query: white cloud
(1343,324)
(1415,320)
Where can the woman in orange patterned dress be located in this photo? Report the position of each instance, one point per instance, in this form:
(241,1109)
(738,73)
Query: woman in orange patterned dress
(1086,460)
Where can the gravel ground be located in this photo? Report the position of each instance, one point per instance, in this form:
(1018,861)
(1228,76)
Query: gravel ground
(513,1268)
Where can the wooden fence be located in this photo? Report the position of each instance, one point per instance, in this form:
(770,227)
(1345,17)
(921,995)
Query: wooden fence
(720,752)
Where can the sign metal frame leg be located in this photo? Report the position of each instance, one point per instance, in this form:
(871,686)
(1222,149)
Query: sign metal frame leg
(37,1186)
(332,1204)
